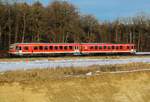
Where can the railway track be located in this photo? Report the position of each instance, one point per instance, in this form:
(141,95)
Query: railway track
(142,53)
(4,54)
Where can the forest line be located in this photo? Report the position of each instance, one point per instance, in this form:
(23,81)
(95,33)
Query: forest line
(61,22)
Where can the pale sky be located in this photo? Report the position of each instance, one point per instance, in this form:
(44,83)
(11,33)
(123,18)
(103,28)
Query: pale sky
(108,9)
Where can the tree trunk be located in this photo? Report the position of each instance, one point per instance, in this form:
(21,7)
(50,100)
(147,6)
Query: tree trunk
(116,39)
(130,37)
(16,32)
(0,37)
(139,41)
(9,27)
(24,28)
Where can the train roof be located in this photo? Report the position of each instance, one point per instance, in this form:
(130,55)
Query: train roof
(68,43)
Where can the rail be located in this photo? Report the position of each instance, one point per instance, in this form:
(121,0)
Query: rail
(142,53)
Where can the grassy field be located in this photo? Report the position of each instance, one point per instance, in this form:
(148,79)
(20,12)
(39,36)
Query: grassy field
(77,85)
(69,57)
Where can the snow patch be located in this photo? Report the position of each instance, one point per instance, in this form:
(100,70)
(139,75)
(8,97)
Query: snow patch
(89,74)
(5,66)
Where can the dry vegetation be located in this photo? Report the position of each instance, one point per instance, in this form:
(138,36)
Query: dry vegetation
(74,85)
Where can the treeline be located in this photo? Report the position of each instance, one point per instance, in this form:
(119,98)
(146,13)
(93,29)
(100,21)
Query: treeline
(61,22)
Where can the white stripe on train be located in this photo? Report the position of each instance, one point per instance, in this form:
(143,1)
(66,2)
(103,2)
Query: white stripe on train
(82,52)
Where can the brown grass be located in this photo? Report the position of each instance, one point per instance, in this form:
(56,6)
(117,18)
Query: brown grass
(53,85)
(38,75)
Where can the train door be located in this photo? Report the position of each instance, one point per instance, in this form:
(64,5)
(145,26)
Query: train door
(76,50)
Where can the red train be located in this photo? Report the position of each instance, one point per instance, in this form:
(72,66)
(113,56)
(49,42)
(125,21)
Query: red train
(22,49)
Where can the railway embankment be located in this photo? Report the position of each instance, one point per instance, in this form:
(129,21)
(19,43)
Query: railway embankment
(94,83)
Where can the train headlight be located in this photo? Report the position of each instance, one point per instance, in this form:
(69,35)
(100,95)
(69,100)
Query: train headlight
(133,51)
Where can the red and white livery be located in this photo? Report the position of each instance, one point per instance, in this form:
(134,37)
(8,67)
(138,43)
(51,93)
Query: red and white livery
(69,48)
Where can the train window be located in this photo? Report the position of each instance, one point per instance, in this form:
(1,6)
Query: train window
(18,48)
(121,47)
(56,47)
(70,47)
(91,47)
(35,48)
(65,47)
(26,48)
(104,47)
(60,47)
(41,48)
(113,47)
(109,47)
(96,47)
(132,47)
(46,48)
(51,47)
(100,47)
(128,47)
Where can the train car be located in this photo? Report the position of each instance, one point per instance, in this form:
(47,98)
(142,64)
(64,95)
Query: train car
(108,48)
(42,48)
(33,49)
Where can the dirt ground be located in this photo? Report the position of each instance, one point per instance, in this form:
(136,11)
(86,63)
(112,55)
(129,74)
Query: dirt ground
(131,87)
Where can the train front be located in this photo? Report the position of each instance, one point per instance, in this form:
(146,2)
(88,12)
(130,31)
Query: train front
(12,49)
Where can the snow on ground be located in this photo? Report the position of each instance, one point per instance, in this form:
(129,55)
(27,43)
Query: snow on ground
(5,66)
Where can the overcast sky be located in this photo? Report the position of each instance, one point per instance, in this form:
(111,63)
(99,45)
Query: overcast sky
(108,9)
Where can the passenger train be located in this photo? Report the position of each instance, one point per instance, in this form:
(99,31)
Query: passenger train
(35,49)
